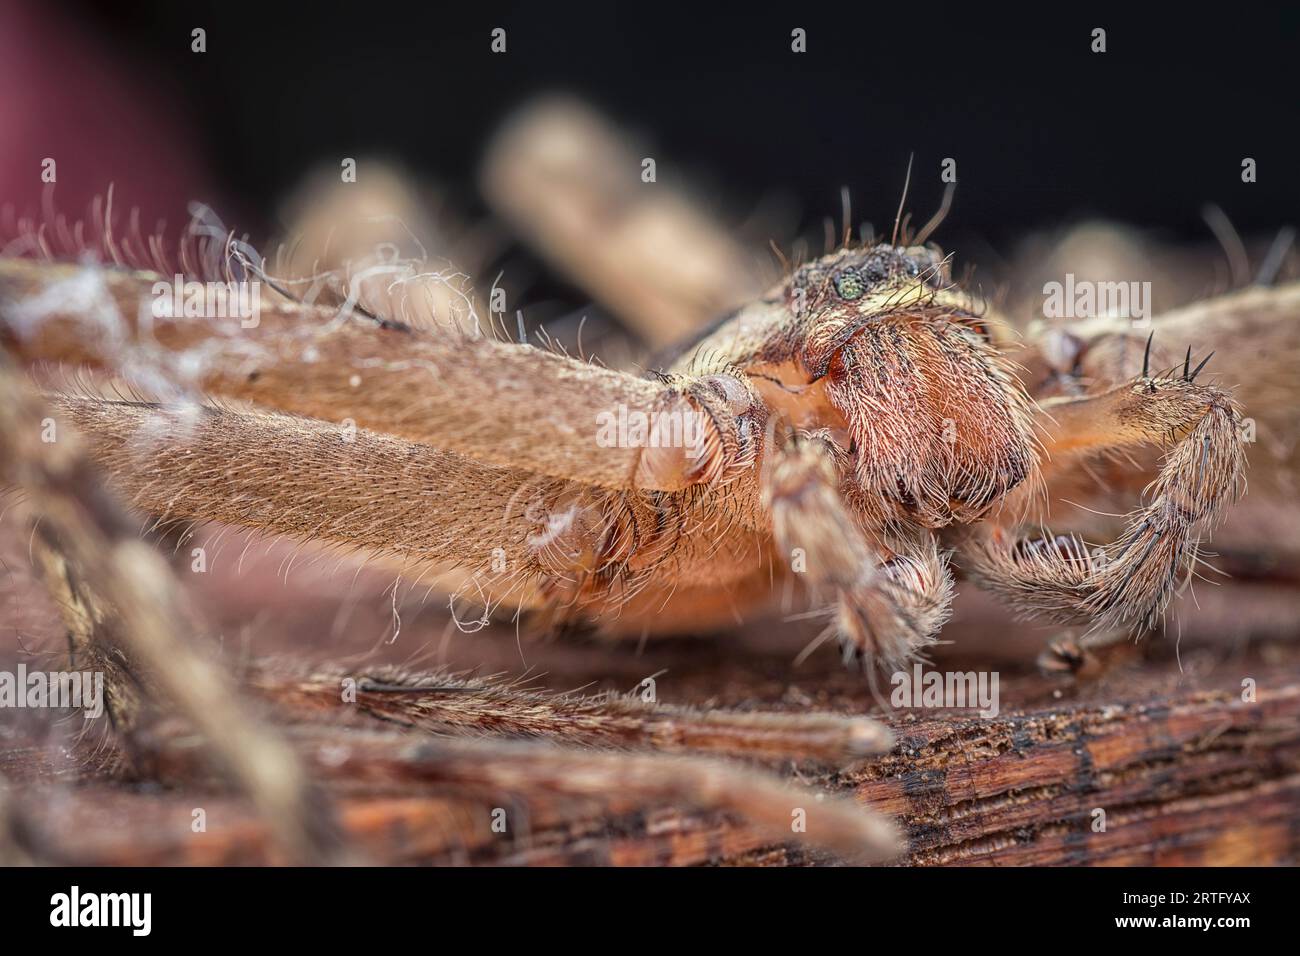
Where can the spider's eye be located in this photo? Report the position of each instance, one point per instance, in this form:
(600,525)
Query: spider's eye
(849,285)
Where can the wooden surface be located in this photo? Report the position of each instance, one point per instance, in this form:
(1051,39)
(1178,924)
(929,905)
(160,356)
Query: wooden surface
(1186,772)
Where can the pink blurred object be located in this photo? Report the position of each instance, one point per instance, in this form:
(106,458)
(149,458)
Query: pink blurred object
(70,98)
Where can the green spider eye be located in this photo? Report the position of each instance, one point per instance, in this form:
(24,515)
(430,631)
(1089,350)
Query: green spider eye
(849,285)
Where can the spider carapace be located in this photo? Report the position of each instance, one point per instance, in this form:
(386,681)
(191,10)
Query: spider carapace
(878,350)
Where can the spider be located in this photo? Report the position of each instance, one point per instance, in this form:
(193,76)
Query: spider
(848,431)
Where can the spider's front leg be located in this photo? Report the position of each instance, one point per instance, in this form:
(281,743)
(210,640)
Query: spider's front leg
(468,394)
(1128,583)
(447,704)
(892,598)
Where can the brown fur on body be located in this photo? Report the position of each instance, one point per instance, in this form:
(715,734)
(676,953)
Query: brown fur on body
(925,423)
(632,542)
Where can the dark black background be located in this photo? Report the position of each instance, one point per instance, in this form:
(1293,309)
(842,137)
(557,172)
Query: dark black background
(1044,131)
(492,909)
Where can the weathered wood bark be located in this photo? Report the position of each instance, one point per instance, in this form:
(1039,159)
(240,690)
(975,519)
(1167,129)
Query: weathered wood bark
(1185,771)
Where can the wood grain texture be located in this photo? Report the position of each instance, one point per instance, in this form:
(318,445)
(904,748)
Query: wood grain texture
(1186,772)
